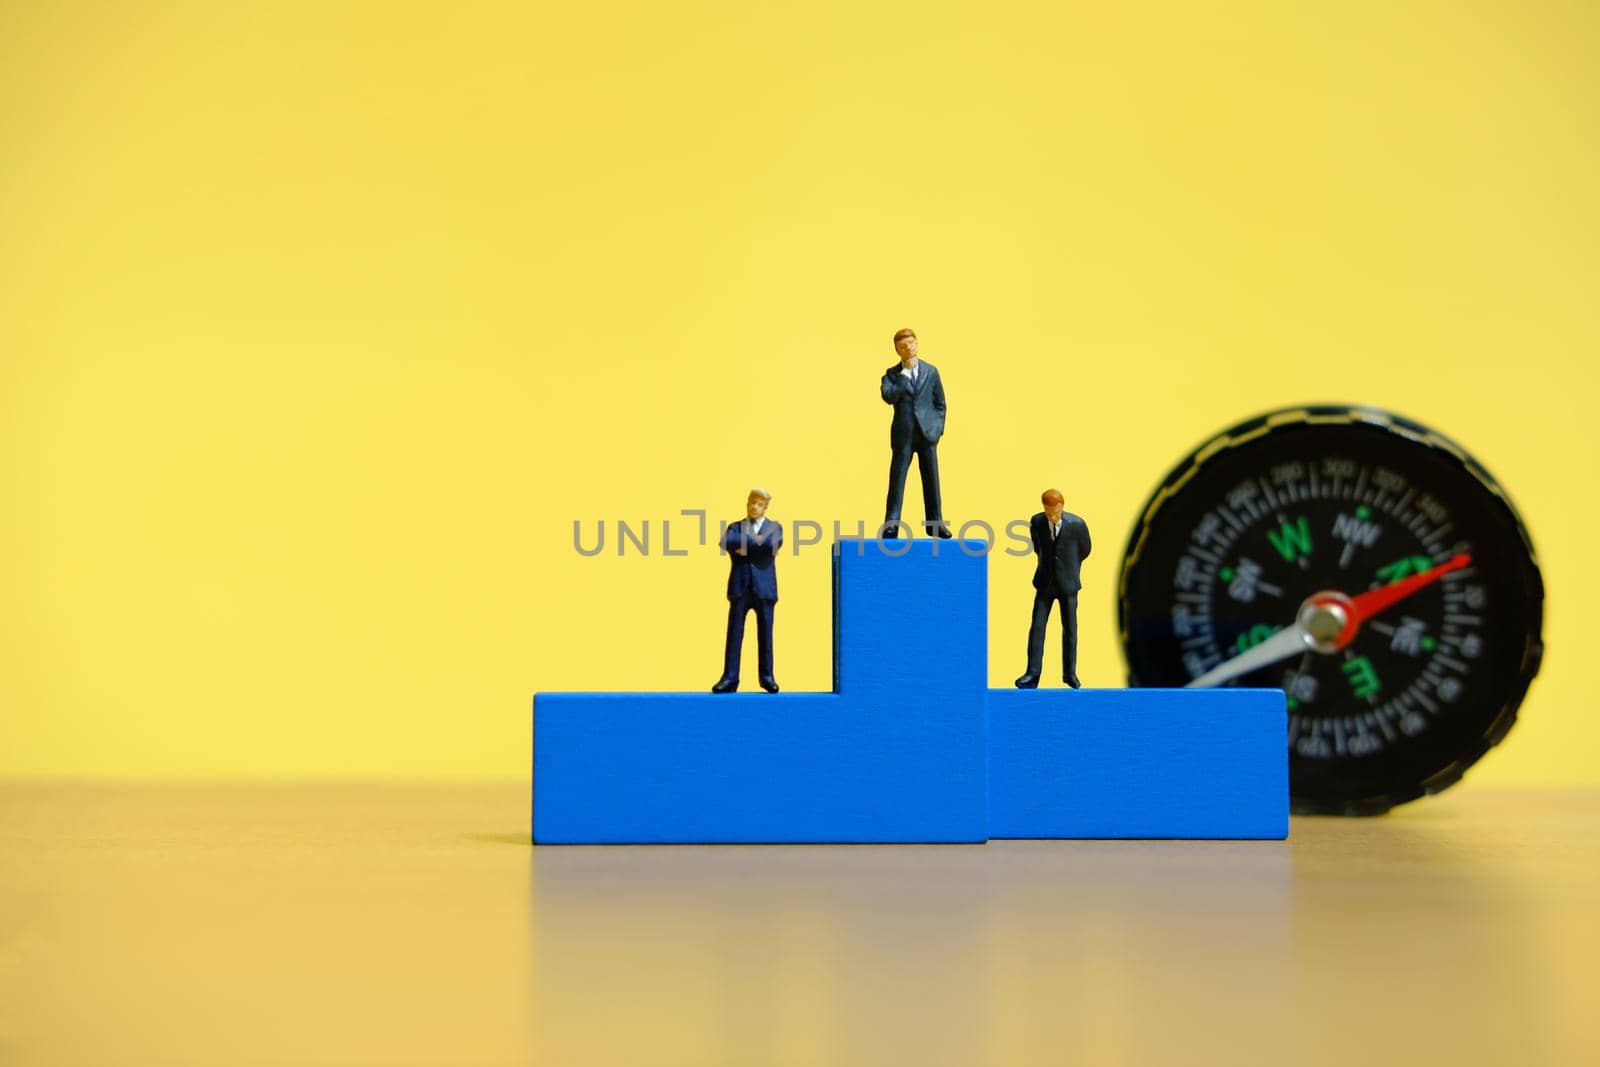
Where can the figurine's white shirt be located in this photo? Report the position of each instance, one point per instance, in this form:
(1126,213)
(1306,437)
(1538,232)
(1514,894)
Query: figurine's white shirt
(1055,529)
(911,372)
(756,524)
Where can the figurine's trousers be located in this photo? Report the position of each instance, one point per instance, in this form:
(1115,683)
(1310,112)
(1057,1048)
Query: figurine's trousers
(1043,599)
(927,453)
(736,612)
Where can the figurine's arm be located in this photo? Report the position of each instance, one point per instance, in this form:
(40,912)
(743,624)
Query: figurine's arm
(765,544)
(1083,540)
(938,397)
(895,385)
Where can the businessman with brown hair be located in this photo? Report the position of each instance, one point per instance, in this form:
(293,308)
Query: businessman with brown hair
(912,387)
(752,546)
(1061,541)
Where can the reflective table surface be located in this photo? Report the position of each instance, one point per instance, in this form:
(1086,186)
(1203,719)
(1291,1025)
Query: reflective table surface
(391,925)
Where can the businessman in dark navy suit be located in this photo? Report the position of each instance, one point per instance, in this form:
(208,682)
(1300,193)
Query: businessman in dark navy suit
(1061,541)
(751,545)
(913,387)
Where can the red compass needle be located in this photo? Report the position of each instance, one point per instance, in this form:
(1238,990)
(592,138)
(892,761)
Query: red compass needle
(1326,622)
(1368,604)
(1347,613)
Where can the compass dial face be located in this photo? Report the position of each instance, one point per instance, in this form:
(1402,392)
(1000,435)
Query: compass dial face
(1292,506)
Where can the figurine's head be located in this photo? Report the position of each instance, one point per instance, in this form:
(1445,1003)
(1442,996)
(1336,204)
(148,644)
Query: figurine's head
(755,505)
(905,343)
(1053,503)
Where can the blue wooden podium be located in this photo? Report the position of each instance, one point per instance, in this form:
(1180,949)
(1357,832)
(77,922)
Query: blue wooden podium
(911,746)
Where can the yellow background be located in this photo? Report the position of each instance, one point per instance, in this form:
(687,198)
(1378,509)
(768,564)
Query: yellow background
(321,323)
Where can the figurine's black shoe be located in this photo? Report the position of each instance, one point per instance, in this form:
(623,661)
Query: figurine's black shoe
(1028,681)
(943,533)
(1072,680)
(725,685)
(769,684)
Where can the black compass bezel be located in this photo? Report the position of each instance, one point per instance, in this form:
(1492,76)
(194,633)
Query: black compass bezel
(1347,785)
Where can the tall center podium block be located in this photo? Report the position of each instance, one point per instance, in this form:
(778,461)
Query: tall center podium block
(896,753)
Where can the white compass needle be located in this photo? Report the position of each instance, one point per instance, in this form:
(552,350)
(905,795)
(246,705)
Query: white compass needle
(1327,622)
(1290,641)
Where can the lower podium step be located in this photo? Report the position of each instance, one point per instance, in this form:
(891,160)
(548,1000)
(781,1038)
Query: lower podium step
(963,766)
(757,768)
(1152,763)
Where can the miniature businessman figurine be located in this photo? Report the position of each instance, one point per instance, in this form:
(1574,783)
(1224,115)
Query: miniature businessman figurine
(1061,541)
(751,545)
(913,387)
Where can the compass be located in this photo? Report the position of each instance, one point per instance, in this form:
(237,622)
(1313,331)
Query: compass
(1363,563)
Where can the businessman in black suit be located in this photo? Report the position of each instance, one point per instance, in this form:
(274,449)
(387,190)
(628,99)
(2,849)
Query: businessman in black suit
(751,545)
(913,387)
(1061,541)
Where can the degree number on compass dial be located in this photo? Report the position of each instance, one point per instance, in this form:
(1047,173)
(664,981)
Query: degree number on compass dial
(1363,563)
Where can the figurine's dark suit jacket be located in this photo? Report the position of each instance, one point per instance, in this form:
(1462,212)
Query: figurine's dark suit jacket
(915,430)
(1055,580)
(1061,556)
(752,586)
